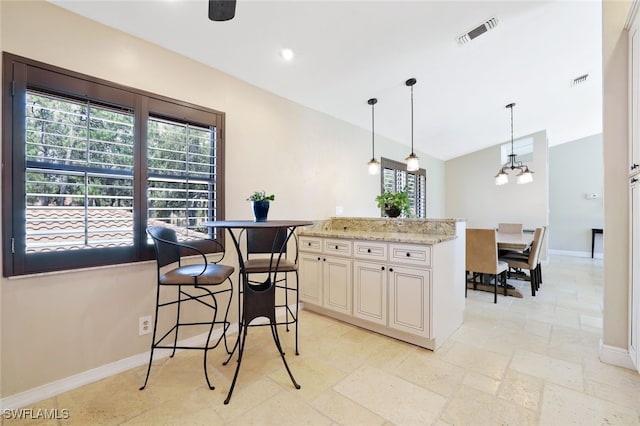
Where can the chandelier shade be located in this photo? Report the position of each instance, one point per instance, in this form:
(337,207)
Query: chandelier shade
(524,174)
(374,165)
(412,160)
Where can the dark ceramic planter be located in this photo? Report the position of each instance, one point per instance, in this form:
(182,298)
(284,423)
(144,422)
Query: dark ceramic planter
(260,210)
(391,211)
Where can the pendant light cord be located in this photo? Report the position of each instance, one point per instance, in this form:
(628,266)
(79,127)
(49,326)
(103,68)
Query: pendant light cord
(373,102)
(410,83)
(412,119)
(512,157)
(511,108)
(373,131)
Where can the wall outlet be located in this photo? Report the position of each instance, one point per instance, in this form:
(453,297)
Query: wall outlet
(144,325)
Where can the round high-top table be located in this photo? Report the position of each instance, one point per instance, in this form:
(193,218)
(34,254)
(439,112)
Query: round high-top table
(257,301)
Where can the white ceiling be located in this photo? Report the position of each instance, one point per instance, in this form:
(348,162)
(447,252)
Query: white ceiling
(349,51)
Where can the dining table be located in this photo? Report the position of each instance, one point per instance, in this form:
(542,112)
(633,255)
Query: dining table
(518,241)
(257,301)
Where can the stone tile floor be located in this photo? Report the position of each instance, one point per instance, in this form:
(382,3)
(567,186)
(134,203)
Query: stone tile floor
(521,361)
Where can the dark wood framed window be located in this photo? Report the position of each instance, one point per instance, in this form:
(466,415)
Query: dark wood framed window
(88,164)
(395,177)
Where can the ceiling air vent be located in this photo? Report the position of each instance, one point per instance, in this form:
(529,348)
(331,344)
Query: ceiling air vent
(579,80)
(477,31)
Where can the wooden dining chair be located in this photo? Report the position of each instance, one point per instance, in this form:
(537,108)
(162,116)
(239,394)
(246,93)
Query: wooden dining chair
(482,258)
(509,228)
(530,261)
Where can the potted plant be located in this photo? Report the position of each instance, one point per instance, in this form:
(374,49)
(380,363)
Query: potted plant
(260,203)
(394,203)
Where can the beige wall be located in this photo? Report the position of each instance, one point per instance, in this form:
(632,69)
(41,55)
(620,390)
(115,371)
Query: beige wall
(57,325)
(575,169)
(615,125)
(62,324)
(472,192)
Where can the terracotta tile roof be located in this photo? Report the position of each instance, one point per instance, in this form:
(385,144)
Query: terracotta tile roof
(54,228)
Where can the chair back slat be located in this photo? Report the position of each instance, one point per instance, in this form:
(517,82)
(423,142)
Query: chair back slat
(165,243)
(534,253)
(266,240)
(510,228)
(481,251)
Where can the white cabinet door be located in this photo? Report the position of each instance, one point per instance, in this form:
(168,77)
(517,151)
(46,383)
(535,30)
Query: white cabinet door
(634,98)
(337,284)
(634,288)
(410,300)
(311,278)
(634,192)
(370,292)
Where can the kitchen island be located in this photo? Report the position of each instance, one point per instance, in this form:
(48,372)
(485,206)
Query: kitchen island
(403,278)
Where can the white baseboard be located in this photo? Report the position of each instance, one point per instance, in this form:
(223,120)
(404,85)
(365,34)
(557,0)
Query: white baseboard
(49,390)
(576,253)
(615,356)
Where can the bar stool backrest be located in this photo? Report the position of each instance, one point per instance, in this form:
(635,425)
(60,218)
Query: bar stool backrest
(266,241)
(165,243)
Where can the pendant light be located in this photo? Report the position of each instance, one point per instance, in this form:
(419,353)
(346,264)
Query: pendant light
(525,175)
(374,165)
(412,159)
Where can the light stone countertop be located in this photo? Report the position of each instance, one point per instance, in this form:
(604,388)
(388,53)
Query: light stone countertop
(411,231)
(393,237)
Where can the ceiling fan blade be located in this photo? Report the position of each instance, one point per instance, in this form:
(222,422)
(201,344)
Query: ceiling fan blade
(222,10)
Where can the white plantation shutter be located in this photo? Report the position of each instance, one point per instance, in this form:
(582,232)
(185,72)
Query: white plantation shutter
(79,174)
(182,176)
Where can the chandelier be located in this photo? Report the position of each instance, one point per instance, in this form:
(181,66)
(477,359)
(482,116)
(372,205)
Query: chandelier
(524,175)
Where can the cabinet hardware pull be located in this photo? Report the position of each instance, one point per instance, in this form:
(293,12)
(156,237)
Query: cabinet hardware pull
(382,268)
(390,269)
(309,243)
(336,247)
(368,250)
(318,258)
(634,166)
(634,180)
(408,254)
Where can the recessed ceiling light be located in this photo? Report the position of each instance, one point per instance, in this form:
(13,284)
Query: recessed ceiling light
(287,54)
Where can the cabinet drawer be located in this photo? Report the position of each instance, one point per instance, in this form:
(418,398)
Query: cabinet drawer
(311,244)
(370,251)
(410,254)
(339,247)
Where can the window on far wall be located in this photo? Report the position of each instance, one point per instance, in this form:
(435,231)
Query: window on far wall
(522,147)
(89,164)
(395,177)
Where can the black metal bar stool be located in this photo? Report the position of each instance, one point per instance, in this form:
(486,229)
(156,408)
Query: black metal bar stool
(259,301)
(261,244)
(205,278)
